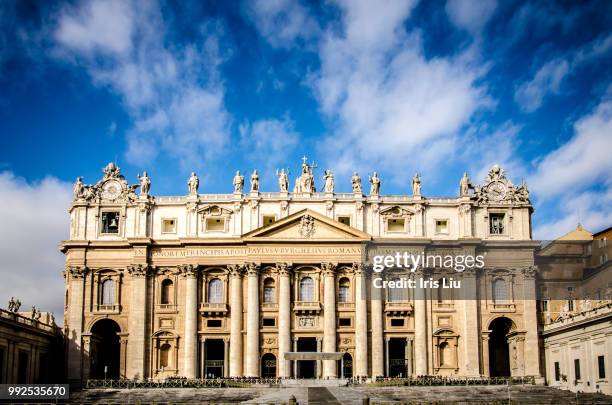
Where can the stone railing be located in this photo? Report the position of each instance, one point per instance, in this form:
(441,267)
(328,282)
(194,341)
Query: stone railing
(213,308)
(600,308)
(23,320)
(441,381)
(398,307)
(307,306)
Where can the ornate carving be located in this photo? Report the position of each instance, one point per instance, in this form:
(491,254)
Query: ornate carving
(192,184)
(530,272)
(284,205)
(359,205)
(375,184)
(270,341)
(252,269)
(235,270)
(138,270)
(328,269)
(284,269)
(307,226)
(329,205)
(418,208)
(238,182)
(465,208)
(188,270)
(77,272)
(112,187)
(497,188)
(346,341)
(307,322)
(395,212)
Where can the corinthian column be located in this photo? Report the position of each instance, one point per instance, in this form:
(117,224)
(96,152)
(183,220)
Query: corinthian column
(252,360)
(378,365)
(137,321)
(190,348)
(531,355)
(76,284)
(471,341)
(420,328)
(235,354)
(361,322)
(284,319)
(329,319)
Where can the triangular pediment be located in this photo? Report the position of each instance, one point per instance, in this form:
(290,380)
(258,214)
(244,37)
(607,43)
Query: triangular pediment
(307,225)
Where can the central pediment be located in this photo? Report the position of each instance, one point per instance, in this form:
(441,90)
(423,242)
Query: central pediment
(307,225)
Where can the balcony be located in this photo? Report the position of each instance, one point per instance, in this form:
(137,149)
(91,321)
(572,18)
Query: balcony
(307,307)
(503,307)
(346,306)
(108,308)
(269,306)
(213,309)
(393,308)
(166,308)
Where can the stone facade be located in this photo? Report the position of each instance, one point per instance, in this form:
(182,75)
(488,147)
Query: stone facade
(228,284)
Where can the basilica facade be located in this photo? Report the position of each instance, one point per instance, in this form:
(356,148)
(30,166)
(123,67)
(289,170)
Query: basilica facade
(277,284)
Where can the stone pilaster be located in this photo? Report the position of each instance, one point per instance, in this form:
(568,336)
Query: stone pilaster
(284,319)
(76,290)
(252,343)
(329,318)
(471,358)
(532,352)
(190,348)
(137,321)
(361,322)
(378,364)
(235,355)
(420,328)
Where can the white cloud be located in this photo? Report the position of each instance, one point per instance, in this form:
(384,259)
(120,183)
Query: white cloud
(547,80)
(34,220)
(271,138)
(173,93)
(470,15)
(583,161)
(387,98)
(281,22)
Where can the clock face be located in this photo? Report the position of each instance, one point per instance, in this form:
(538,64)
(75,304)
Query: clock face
(111,190)
(496,191)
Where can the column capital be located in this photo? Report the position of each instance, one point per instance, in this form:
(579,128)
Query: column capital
(530,272)
(358,269)
(252,269)
(188,270)
(138,270)
(284,269)
(235,270)
(77,271)
(328,269)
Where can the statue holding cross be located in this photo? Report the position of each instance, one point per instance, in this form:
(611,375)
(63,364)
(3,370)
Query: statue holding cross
(305,183)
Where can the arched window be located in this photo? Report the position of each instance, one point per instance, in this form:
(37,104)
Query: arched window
(215,291)
(396,294)
(164,355)
(108,292)
(167,291)
(307,289)
(269,291)
(344,290)
(500,293)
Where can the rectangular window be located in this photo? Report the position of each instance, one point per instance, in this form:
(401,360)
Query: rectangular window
(545,306)
(345,220)
(215,224)
(496,224)
(442,226)
(169,225)
(344,321)
(557,371)
(269,322)
(601,365)
(396,225)
(570,305)
(213,323)
(397,322)
(577,369)
(110,222)
(268,220)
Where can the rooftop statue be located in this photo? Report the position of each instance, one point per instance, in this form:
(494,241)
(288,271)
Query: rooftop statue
(145,183)
(283,180)
(328,177)
(254,181)
(416,185)
(356,182)
(238,182)
(375,184)
(193,183)
(305,183)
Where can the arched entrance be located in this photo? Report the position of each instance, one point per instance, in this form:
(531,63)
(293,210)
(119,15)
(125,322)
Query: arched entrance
(346,366)
(499,354)
(105,349)
(268,365)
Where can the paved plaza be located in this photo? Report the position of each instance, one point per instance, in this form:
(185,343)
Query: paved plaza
(341,395)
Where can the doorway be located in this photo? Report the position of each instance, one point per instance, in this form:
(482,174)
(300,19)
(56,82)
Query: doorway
(306,368)
(397,357)
(268,365)
(105,350)
(499,356)
(214,352)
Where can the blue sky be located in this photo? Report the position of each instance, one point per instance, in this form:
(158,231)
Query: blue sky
(438,87)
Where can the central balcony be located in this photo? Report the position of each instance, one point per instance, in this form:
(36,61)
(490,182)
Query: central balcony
(393,308)
(307,307)
(213,309)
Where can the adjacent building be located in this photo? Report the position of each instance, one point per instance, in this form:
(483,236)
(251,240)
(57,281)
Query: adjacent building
(273,284)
